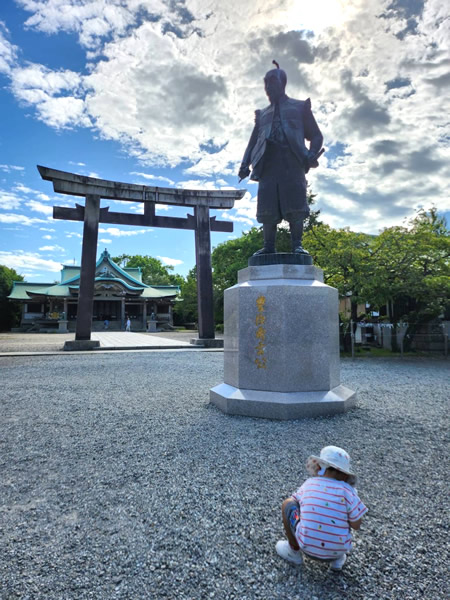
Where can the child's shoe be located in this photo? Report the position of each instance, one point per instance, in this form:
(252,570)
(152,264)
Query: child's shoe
(285,551)
(337,564)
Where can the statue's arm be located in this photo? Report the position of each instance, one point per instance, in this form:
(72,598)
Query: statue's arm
(312,133)
(244,170)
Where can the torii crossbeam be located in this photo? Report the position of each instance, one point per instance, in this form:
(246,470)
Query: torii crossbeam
(96,189)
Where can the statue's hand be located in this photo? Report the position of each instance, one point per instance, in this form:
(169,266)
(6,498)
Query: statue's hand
(312,160)
(244,172)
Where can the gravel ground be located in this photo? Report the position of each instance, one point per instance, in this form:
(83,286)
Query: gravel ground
(119,480)
(33,342)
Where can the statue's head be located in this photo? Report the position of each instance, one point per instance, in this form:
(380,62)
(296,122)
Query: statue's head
(275,83)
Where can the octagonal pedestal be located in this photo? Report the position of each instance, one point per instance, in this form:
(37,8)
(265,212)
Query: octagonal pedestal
(281,351)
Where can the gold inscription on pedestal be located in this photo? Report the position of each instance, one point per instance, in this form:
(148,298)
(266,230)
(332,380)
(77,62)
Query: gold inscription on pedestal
(260,320)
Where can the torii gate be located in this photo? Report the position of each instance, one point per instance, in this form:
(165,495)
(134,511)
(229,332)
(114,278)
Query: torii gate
(95,189)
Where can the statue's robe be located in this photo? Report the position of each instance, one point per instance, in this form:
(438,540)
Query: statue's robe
(279,158)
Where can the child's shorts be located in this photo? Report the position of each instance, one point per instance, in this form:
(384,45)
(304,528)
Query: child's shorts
(292,514)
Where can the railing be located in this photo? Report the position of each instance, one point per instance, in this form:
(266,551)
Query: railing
(433,341)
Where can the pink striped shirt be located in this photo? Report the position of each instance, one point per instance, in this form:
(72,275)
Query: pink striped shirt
(326,507)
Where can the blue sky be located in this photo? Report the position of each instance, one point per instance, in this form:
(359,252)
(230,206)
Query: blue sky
(163,93)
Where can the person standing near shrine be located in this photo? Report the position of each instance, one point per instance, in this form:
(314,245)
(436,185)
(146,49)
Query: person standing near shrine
(128,324)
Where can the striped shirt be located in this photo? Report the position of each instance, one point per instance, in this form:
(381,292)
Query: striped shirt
(326,507)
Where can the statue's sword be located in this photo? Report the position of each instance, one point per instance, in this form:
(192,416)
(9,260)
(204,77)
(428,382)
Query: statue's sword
(309,163)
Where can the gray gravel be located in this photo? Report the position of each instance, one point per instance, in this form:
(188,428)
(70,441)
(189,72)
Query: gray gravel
(119,480)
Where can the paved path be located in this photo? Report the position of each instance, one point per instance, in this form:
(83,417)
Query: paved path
(128,339)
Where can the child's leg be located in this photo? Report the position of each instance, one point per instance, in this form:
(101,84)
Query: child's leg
(291,516)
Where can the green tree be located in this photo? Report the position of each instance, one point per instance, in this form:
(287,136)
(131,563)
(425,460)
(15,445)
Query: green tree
(411,271)
(186,309)
(153,270)
(231,256)
(345,258)
(405,268)
(9,311)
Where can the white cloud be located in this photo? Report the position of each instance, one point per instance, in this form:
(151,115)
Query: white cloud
(233,217)
(39,207)
(9,201)
(46,229)
(8,53)
(153,177)
(55,248)
(32,261)
(197,184)
(244,211)
(9,168)
(376,71)
(43,197)
(71,234)
(54,94)
(23,189)
(137,208)
(90,19)
(21,219)
(105,241)
(116,232)
(170,261)
(47,237)
(19,187)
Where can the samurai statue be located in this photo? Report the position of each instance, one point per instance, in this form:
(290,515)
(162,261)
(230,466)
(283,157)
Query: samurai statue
(280,160)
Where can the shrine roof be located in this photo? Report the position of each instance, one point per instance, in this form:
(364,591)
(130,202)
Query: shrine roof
(69,271)
(130,279)
(53,291)
(158,292)
(134,288)
(20,288)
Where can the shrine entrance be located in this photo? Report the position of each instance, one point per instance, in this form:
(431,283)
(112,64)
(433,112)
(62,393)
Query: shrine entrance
(94,190)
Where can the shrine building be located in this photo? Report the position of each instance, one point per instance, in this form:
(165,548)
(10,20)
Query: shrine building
(118,294)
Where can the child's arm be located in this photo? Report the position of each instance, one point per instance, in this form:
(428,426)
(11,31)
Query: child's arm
(355,524)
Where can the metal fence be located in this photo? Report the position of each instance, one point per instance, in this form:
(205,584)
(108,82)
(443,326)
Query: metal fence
(382,335)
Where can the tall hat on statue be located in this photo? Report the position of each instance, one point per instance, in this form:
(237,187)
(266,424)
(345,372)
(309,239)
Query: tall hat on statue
(277,74)
(275,82)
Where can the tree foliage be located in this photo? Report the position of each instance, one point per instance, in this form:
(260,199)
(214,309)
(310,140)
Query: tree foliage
(153,270)
(344,257)
(231,256)
(412,272)
(185,309)
(413,261)
(406,268)
(9,311)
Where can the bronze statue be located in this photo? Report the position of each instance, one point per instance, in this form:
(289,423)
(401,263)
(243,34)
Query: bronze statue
(280,159)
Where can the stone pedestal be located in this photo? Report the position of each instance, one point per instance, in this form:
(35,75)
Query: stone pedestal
(281,353)
(152,326)
(62,327)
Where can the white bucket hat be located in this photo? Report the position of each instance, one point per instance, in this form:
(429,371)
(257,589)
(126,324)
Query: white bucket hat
(330,456)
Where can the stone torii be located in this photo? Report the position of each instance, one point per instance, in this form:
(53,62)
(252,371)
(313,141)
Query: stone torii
(94,190)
